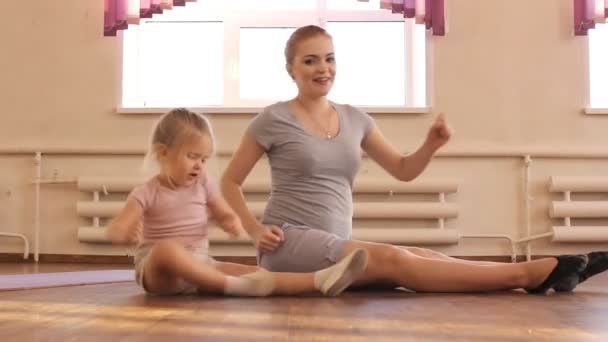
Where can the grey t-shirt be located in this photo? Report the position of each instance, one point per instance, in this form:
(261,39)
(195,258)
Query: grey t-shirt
(312,177)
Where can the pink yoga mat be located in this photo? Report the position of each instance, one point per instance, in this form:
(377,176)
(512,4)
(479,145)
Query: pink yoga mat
(43,280)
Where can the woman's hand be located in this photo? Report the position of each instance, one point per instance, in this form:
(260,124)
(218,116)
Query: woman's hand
(267,237)
(438,134)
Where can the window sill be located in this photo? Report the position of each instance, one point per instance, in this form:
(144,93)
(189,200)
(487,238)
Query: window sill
(596,111)
(255,110)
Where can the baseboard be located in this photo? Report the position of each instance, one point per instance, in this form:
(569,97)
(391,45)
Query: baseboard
(102,259)
(248,260)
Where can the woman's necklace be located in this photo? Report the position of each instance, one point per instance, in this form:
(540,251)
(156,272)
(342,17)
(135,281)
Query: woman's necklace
(324,128)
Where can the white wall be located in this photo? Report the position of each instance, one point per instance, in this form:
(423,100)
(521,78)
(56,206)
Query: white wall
(509,75)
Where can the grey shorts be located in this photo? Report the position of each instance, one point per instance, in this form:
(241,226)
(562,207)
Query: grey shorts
(303,249)
(141,253)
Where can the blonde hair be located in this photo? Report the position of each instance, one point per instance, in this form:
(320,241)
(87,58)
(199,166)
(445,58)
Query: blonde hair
(299,35)
(174,129)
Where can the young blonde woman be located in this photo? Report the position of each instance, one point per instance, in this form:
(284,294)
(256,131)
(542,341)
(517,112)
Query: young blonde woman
(314,148)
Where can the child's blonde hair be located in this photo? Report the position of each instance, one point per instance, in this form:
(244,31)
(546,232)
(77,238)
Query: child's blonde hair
(174,129)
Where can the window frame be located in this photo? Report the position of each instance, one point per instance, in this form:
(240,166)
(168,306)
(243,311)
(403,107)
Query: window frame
(235,20)
(597,36)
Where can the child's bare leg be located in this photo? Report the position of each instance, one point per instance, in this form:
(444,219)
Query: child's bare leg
(169,262)
(234,269)
(330,281)
(286,283)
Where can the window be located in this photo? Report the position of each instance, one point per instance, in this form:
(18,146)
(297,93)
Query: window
(229,53)
(598,66)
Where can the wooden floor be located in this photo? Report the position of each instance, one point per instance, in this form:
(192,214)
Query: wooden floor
(121,312)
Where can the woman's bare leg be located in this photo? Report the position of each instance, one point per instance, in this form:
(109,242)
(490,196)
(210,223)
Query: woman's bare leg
(396,266)
(431,254)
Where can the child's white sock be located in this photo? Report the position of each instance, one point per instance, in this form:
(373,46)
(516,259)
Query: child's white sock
(258,284)
(333,280)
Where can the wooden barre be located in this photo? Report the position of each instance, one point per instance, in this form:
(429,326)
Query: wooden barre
(362,210)
(578,184)
(429,236)
(580,234)
(426,236)
(583,209)
(216,236)
(126,184)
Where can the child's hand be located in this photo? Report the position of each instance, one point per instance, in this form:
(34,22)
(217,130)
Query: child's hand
(439,133)
(127,226)
(232,225)
(135,234)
